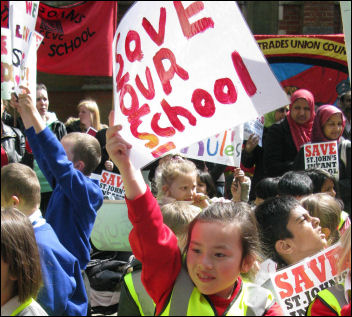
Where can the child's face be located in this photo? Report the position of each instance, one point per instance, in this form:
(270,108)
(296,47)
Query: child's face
(183,188)
(214,257)
(328,187)
(201,187)
(333,127)
(308,239)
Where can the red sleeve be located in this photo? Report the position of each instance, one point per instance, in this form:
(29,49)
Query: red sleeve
(274,310)
(346,310)
(155,245)
(318,308)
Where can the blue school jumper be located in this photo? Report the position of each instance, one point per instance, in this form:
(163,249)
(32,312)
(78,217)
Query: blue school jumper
(63,292)
(75,199)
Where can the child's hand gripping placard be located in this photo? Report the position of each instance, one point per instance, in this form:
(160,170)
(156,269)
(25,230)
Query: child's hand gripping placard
(185,71)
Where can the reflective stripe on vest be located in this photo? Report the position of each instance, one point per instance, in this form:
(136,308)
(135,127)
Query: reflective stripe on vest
(22,307)
(187,300)
(332,297)
(343,218)
(139,294)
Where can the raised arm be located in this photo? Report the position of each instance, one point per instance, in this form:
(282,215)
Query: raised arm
(119,152)
(28,111)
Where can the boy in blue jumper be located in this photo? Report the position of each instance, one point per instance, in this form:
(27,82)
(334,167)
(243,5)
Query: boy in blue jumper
(76,198)
(63,292)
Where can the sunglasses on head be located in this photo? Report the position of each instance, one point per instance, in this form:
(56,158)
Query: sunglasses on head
(283,109)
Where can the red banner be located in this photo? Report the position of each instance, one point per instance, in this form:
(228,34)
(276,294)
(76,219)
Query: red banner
(77,38)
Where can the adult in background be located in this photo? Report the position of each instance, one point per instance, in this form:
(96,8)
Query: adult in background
(89,116)
(329,124)
(58,128)
(252,153)
(343,90)
(284,140)
(13,144)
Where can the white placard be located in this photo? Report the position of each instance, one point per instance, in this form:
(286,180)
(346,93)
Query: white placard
(322,155)
(22,20)
(224,148)
(185,71)
(297,285)
(254,127)
(6,64)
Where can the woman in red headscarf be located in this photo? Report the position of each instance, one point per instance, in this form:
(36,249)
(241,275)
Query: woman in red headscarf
(328,125)
(284,140)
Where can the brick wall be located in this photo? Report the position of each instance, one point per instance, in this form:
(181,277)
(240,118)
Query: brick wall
(310,17)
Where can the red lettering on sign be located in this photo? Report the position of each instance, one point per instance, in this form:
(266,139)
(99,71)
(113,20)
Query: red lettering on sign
(158,38)
(134,120)
(111,180)
(332,257)
(166,76)
(332,148)
(119,60)
(308,151)
(301,278)
(134,100)
(173,113)
(230,96)
(118,181)
(208,109)
(163,149)
(166,132)
(136,54)
(189,30)
(283,285)
(324,148)
(243,74)
(320,274)
(103,177)
(150,92)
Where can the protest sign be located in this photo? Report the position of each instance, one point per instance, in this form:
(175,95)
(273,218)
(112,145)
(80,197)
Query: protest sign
(22,19)
(6,64)
(224,148)
(112,227)
(322,155)
(297,285)
(184,72)
(77,38)
(254,127)
(314,62)
(111,185)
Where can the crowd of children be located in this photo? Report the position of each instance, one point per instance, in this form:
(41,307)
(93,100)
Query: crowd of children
(195,253)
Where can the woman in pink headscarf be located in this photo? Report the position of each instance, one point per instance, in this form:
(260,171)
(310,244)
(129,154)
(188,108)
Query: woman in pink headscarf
(328,125)
(284,140)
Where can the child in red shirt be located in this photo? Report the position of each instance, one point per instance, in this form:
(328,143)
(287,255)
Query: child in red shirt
(222,243)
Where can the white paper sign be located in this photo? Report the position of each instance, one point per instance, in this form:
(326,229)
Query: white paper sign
(298,285)
(224,148)
(111,185)
(254,127)
(22,20)
(185,71)
(6,64)
(322,155)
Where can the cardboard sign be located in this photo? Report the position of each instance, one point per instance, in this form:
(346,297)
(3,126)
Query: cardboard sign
(322,155)
(297,285)
(224,148)
(22,19)
(254,127)
(183,72)
(112,227)
(6,64)
(111,186)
